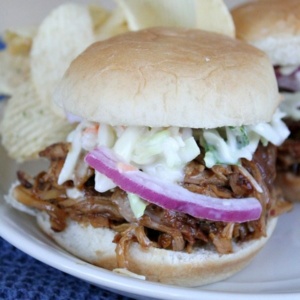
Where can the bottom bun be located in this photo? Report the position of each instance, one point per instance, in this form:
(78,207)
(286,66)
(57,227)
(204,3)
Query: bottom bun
(290,185)
(94,245)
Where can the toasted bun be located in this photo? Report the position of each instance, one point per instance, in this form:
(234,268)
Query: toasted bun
(290,185)
(95,246)
(170,77)
(273,26)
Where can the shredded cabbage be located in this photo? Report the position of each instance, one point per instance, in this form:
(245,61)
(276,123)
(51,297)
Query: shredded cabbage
(228,148)
(164,152)
(74,193)
(288,70)
(137,205)
(291,105)
(74,138)
(228,145)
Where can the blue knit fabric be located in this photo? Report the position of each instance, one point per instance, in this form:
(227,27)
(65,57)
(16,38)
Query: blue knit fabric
(2,44)
(2,47)
(23,277)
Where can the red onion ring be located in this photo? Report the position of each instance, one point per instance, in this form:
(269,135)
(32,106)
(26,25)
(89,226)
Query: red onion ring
(170,195)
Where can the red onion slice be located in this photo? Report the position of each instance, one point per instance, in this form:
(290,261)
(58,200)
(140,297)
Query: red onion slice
(170,195)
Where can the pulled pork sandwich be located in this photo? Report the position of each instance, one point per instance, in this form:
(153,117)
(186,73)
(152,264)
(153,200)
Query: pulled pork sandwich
(274,27)
(169,173)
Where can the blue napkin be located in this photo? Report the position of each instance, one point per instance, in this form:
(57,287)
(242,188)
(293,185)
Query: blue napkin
(23,277)
(2,47)
(2,44)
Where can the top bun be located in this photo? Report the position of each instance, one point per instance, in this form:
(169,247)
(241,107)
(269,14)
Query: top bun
(273,26)
(170,77)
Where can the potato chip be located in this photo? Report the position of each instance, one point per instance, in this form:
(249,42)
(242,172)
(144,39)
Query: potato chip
(28,126)
(63,34)
(19,41)
(99,16)
(13,71)
(210,15)
(115,24)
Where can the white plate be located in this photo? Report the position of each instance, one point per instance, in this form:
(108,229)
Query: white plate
(274,272)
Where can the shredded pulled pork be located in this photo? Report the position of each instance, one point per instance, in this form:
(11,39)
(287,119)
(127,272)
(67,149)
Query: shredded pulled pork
(289,152)
(288,162)
(157,227)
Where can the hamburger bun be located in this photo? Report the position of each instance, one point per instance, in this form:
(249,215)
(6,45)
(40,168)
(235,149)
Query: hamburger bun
(202,266)
(272,26)
(170,77)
